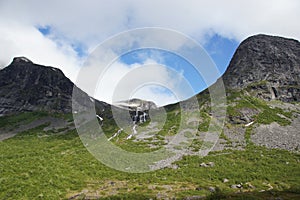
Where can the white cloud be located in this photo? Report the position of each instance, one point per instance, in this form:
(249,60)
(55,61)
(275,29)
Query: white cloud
(91,22)
(157,94)
(149,80)
(19,40)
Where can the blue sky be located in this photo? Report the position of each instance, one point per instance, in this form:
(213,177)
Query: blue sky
(220,49)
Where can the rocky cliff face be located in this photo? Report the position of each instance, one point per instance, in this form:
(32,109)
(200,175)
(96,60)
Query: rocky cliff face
(267,65)
(25,86)
(136,104)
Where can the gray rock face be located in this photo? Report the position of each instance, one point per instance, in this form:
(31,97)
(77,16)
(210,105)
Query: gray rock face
(138,108)
(25,86)
(268,65)
(136,104)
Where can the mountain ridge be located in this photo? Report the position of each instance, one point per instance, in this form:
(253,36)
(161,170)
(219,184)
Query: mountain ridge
(267,65)
(256,154)
(26,86)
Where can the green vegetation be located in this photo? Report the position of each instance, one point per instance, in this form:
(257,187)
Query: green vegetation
(232,95)
(138,147)
(248,133)
(271,115)
(232,111)
(172,123)
(12,121)
(36,165)
(23,118)
(45,165)
(265,113)
(257,84)
(204,125)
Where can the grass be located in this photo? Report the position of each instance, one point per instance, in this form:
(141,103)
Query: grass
(38,165)
(206,121)
(248,133)
(58,166)
(269,116)
(266,114)
(26,117)
(138,147)
(172,124)
(13,121)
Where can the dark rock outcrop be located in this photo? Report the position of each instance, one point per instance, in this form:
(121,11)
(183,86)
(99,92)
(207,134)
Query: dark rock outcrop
(268,65)
(136,104)
(138,108)
(25,86)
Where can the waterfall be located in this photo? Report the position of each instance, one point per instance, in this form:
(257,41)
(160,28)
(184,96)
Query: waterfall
(136,117)
(116,134)
(134,129)
(141,119)
(134,132)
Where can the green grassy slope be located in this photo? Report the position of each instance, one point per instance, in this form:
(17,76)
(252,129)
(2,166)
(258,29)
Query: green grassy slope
(39,165)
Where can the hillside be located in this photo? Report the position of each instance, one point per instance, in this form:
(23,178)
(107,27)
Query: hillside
(255,157)
(262,83)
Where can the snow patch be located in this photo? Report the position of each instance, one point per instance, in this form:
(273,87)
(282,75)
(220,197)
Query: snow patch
(100,118)
(249,124)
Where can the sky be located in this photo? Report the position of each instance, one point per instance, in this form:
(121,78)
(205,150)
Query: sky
(64,34)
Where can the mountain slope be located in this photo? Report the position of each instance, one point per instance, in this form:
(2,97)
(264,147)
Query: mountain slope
(268,64)
(44,163)
(262,85)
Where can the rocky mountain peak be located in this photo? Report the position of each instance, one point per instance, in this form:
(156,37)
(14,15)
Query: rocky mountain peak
(268,64)
(20,64)
(26,86)
(21,59)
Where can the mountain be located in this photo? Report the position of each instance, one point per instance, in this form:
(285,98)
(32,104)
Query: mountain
(26,86)
(268,65)
(262,85)
(136,104)
(256,154)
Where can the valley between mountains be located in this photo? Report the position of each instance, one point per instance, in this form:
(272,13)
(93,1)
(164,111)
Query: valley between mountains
(256,155)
